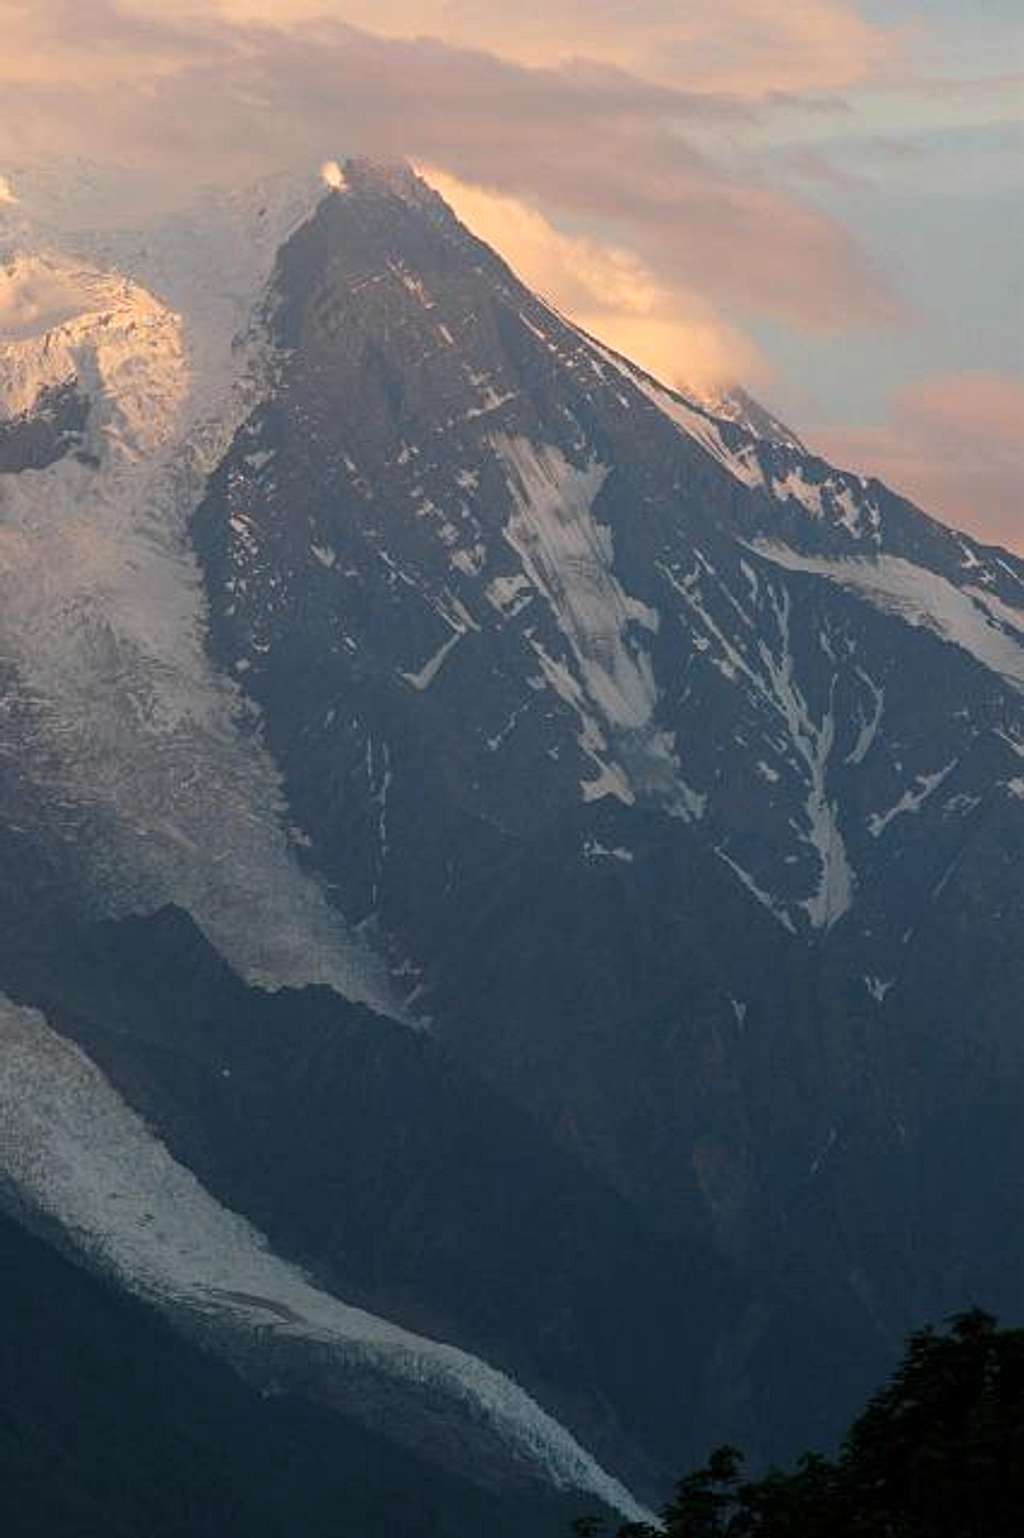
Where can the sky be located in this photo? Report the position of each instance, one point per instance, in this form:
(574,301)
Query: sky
(821,199)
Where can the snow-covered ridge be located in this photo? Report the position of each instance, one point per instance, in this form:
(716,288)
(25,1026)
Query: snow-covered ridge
(692,419)
(40,292)
(73,1152)
(756,449)
(62,321)
(745,440)
(736,406)
(988,630)
(206,263)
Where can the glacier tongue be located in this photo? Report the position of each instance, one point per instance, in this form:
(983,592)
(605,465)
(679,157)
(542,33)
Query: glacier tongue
(72,1152)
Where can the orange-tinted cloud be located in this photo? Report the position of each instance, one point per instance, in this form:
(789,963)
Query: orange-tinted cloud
(200,98)
(676,335)
(746,46)
(954,444)
(49,42)
(569,132)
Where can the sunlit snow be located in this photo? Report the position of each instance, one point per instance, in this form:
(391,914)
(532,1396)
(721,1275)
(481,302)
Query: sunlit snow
(131,737)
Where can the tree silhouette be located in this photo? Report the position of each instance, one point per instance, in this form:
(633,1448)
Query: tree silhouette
(937,1453)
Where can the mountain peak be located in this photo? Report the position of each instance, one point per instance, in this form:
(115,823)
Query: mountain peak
(414,643)
(388,178)
(736,405)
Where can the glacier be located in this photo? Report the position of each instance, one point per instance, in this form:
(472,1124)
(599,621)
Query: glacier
(72,1152)
(146,764)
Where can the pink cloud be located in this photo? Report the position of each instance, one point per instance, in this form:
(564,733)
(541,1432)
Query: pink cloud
(677,335)
(744,46)
(955,445)
(194,98)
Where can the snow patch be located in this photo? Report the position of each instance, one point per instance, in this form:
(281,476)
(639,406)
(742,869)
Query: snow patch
(492,400)
(413,284)
(792,485)
(868,725)
(921,598)
(1004,614)
(510,594)
(766,900)
(593,849)
(430,669)
(569,558)
(470,561)
(912,800)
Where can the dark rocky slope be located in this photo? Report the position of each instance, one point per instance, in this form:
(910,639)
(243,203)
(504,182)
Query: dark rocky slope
(684,786)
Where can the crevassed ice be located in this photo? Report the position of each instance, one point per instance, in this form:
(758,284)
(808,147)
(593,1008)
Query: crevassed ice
(75,1153)
(131,739)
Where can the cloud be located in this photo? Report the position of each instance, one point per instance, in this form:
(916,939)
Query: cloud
(744,46)
(47,42)
(954,443)
(332,175)
(675,334)
(607,147)
(191,96)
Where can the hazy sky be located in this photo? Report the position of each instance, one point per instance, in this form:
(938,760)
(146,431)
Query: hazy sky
(824,198)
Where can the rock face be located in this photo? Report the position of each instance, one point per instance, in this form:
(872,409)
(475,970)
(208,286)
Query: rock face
(664,782)
(36,439)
